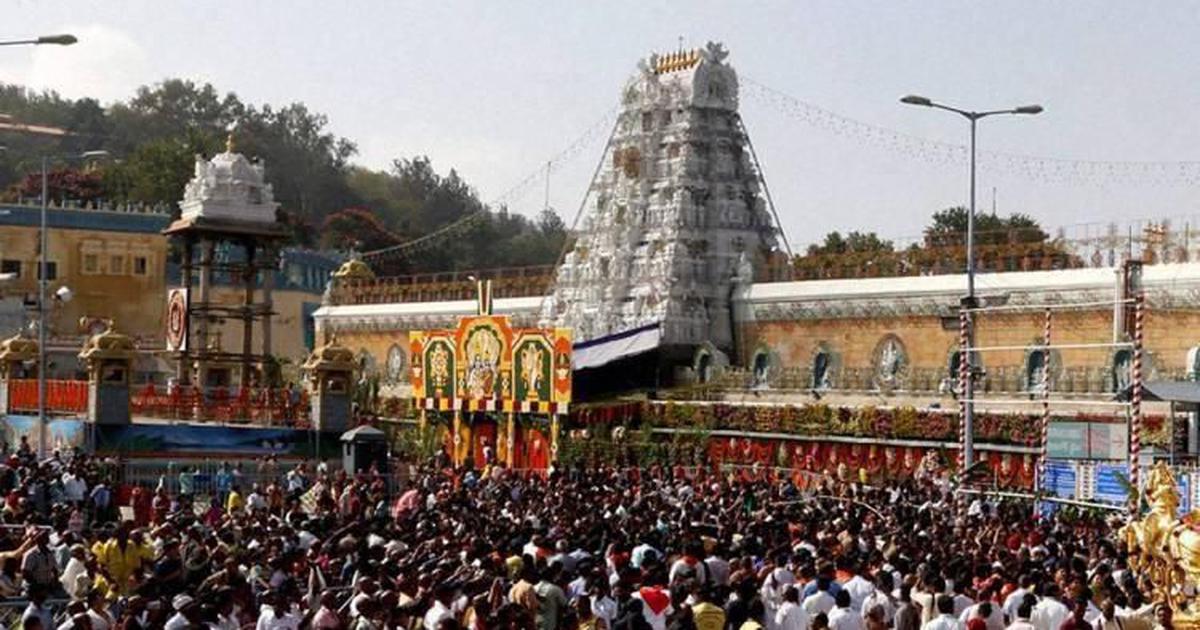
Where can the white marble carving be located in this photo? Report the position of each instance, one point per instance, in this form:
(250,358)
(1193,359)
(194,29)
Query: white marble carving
(228,187)
(675,213)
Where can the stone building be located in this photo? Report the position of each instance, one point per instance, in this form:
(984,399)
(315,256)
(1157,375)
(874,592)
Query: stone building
(675,214)
(677,238)
(898,338)
(113,262)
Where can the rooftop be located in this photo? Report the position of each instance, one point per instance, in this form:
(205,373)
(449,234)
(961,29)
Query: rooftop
(144,222)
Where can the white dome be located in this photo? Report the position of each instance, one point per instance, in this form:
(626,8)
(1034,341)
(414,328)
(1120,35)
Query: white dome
(228,187)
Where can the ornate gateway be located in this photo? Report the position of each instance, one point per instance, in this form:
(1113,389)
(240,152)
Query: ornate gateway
(484,365)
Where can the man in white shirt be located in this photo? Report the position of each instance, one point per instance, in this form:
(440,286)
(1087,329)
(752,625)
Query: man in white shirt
(791,615)
(859,587)
(256,502)
(1049,613)
(1024,612)
(844,617)
(603,606)
(441,607)
(276,613)
(961,601)
(881,598)
(74,487)
(820,601)
(187,613)
(945,619)
(717,569)
(1015,598)
(994,618)
(689,567)
(773,588)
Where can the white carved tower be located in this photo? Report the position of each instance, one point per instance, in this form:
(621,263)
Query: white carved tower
(675,213)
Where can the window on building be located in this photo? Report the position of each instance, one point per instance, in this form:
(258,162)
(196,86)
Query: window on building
(51,270)
(1035,371)
(1122,370)
(91,263)
(647,121)
(116,265)
(953,365)
(141,265)
(11,266)
(704,368)
(762,369)
(820,371)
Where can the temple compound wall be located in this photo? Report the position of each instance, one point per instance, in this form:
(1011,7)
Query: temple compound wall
(891,337)
(900,336)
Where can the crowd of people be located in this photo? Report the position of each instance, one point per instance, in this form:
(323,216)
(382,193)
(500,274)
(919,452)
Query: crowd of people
(303,546)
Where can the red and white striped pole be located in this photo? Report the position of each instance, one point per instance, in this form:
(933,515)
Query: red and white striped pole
(1041,468)
(963,374)
(1135,399)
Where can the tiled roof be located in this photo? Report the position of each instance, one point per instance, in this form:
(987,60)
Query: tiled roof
(83,219)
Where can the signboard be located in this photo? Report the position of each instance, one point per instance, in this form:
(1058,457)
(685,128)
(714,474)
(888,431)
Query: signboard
(1109,485)
(177,320)
(1060,479)
(1068,440)
(1109,440)
(1106,482)
(1088,440)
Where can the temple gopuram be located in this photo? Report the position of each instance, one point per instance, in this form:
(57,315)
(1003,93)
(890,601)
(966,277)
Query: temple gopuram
(684,322)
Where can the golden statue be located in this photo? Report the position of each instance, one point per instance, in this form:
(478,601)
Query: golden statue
(1164,550)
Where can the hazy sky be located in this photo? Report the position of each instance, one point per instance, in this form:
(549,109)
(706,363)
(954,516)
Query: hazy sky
(496,88)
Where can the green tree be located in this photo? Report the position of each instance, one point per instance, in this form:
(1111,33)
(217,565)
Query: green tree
(854,242)
(949,227)
(355,228)
(157,171)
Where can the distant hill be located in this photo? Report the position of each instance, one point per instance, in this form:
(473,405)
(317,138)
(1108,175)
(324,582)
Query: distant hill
(327,200)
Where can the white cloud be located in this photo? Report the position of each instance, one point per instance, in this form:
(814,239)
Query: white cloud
(106,64)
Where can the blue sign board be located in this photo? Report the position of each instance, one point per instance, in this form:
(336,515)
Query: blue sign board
(1109,487)
(1060,479)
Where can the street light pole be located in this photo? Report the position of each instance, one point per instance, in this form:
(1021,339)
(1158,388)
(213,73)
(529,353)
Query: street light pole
(56,40)
(971,223)
(969,302)
(43,284)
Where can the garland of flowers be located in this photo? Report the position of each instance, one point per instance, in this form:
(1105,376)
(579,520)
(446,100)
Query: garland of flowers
(819,419)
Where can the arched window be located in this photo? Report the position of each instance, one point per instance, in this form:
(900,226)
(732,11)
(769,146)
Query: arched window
(820,370)
(953,365)
(704,368)
(1193,363)
(761,369)
(1035,370)
(1122,369)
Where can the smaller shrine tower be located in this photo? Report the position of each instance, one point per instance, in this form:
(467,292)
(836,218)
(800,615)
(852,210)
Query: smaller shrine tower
(226,206)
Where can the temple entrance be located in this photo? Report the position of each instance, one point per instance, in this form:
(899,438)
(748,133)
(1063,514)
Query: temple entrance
(483,440)
(533,449)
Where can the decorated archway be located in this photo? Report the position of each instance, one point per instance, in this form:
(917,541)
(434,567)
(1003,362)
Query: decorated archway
(486,372)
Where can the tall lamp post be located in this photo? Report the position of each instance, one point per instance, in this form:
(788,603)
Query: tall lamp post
(55,40)
(968,393)
(44,283)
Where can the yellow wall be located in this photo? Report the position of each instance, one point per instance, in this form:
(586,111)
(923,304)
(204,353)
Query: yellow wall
(378,344)
(287,324)
(135,301)
(929,341)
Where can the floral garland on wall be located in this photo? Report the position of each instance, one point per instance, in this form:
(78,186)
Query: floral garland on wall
(823,420)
